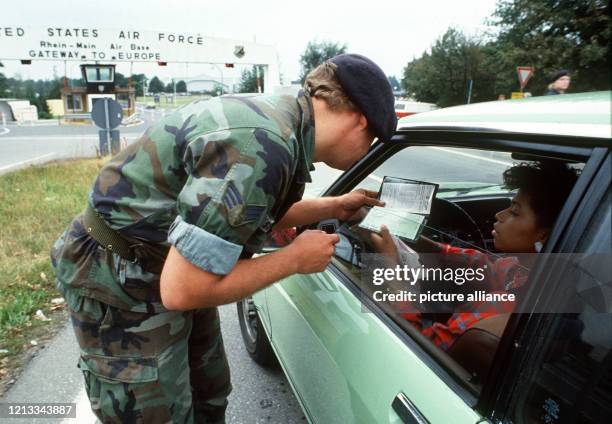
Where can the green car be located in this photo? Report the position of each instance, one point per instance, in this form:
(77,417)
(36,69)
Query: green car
(350,360)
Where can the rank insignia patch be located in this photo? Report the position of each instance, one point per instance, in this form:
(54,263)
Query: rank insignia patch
(232,200)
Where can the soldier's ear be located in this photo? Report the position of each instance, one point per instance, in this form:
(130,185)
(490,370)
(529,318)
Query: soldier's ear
(363,122)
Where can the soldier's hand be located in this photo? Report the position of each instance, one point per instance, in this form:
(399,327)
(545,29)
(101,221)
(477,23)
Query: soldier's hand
(313,250)
(350,204)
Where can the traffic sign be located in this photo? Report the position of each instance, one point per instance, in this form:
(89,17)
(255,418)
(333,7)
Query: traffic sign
(524,74)
(107,113)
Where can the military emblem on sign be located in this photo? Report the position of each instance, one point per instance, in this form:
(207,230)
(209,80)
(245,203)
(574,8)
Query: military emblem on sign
(239,51)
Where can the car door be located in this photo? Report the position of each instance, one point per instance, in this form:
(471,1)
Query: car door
(348,362)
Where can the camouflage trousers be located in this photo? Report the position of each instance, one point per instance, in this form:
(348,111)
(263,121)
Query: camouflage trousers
(165,367)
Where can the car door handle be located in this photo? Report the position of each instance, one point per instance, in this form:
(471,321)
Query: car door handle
(406,410)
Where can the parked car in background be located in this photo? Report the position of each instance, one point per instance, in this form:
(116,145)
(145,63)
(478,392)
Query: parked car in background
(351,360)
(405,108)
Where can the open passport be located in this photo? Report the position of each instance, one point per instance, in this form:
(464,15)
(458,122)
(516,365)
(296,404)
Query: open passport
(407,206)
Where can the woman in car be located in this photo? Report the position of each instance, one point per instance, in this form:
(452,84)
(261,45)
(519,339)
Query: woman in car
(523,227)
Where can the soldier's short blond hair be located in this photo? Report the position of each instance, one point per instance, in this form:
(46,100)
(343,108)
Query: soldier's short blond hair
(323,84)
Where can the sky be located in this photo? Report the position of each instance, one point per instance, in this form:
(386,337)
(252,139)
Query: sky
(389,32)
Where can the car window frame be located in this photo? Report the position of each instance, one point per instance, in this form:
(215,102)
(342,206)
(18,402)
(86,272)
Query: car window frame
(579,148)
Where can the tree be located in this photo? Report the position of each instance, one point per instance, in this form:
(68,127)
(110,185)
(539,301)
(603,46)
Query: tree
(155,85)
(3,85)
(248,80)
(138,84)
(443,76)
(393,82)
(317,53)
(120,80)
(169,88)
(551,35)
(181,87)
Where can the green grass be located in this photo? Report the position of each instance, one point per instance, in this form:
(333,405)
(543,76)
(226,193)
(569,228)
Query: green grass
(36,204)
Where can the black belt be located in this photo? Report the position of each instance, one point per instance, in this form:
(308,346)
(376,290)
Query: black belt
(150,257)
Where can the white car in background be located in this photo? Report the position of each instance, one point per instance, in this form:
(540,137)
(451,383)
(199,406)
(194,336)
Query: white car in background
(406,108)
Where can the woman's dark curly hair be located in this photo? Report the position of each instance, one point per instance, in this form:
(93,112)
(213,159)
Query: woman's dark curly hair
(547,184)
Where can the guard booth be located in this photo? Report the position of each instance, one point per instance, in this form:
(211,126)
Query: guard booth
(99,83)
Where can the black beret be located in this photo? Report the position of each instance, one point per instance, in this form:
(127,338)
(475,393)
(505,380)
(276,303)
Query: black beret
(367,87)
(560,73)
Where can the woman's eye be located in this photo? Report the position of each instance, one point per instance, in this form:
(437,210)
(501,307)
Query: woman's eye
(513,212)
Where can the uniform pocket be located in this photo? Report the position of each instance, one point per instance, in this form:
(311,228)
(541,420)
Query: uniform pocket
(119,369)
(126,390)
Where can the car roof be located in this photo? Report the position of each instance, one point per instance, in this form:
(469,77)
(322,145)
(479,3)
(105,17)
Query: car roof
(576,115)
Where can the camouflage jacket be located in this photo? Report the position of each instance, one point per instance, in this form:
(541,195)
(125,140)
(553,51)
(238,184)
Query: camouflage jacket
(210,179)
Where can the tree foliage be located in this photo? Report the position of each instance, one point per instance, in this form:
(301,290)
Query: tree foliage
(181,87)
(248,80)
(138,84)
(317,53)
(155,85)
(393,82)
(546,34)
(3,85)
(551,35)
(443,75)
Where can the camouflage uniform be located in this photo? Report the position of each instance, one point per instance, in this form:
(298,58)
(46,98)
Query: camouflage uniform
(210,179)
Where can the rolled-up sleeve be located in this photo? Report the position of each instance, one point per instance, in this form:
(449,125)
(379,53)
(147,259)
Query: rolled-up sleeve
(203,249)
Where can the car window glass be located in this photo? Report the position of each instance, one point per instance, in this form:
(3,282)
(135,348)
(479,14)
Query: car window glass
(573,378)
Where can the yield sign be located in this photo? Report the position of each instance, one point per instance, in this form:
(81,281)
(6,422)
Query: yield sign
(524,73)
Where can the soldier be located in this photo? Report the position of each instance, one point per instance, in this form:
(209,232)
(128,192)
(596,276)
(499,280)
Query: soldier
(171,224)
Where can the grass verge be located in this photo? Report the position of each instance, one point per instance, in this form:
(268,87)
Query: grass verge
(36,204)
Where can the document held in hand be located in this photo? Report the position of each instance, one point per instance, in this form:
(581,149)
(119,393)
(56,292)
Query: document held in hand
(407,205)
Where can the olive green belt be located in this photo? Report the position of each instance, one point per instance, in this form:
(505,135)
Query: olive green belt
(108,238)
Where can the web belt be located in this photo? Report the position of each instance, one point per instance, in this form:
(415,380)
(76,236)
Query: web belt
(108,238)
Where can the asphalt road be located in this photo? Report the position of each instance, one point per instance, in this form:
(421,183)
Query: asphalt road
(23,145)
(259,395)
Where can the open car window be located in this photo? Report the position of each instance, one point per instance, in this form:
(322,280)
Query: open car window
(470,192)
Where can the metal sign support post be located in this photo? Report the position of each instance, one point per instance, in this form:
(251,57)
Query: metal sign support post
(107,128)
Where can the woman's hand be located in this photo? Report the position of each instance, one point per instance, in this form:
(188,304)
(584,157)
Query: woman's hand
(383,243)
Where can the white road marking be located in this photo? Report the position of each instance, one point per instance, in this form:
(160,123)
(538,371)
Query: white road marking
(58,137)
(6,131)
(469,155)
(25,162)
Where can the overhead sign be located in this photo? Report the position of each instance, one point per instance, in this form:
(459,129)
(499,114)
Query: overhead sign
(524,74)
(60,43)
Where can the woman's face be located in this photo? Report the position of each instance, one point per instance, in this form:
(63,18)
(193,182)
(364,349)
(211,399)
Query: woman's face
(516,229)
